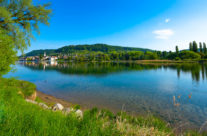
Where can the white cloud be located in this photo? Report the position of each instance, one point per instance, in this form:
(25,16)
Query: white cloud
(163,33)
(167,20)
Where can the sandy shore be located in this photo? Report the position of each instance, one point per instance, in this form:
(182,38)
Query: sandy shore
(51,100)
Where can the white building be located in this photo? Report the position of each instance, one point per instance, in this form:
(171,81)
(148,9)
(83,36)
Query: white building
(52,58)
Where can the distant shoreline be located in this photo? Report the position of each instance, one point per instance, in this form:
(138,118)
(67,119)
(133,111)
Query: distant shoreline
(131,61)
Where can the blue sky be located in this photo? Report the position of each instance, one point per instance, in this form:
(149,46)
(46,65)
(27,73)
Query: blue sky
(154,24)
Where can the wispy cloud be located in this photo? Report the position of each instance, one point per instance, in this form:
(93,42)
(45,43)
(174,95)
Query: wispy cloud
(163,33)
(167,20)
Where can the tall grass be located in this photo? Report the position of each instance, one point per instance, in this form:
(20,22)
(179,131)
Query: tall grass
(19,118)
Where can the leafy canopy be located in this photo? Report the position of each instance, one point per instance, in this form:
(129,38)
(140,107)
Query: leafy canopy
(18,19)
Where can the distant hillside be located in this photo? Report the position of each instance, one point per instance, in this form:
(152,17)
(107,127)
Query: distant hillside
(38,52)
(78,48)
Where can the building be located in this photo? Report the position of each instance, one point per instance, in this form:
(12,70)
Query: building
(53,58)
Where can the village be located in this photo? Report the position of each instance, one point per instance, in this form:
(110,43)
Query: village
(40,58)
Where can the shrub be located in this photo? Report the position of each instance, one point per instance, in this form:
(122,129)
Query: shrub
(150,56)
(177,58)
(189,55)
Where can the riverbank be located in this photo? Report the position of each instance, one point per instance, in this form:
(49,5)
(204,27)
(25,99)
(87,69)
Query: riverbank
(19,117)
(127,61)
(16,112)
(51,100)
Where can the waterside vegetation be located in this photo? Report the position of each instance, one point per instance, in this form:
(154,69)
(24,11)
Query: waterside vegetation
(16,112)
(103,52)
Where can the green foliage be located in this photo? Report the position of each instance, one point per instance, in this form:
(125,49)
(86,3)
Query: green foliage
(68,50)
(195,46)
(189,55)
(96,47)
(135,55)
(200,47)
(23,87)
(176,49)
(172,56)
(177,58)
(191,46)
(103,52)
(76,107)
(18,18)
(150,56)
(7,53)
(204,48)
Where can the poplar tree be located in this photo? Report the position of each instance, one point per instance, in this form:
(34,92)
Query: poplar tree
(201,47)
(204,48)
(191,46)
(177,50)
(195,46)
(18,20)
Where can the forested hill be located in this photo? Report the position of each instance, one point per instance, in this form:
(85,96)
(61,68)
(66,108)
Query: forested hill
(79,48)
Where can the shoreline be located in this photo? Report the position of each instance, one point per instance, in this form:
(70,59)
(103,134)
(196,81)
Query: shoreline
(51,100)
(130,61)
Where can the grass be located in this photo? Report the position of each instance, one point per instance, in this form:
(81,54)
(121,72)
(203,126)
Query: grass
(19,118)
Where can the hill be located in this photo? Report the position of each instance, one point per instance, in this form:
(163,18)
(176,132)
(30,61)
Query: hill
(79,48)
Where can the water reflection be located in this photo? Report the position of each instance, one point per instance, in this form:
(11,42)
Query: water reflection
(198,70)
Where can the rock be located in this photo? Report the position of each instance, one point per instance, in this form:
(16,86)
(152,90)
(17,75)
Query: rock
(67,110)
(79,113)
(57,106)
(43,105)
(31,101)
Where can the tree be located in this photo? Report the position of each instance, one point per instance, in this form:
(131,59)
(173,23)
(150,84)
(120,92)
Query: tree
(191,46)
(177,50)
(150,55)
(172,56)
(200,46)
(18,19)
(164,54)
(195,46)
(7,53)
(204,48)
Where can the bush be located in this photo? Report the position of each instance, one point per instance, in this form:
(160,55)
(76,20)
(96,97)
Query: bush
(177,58)
(150,56)
(172,56)
(189,55)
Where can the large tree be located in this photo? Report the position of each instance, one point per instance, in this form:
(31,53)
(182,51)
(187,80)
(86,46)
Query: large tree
(18,19)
